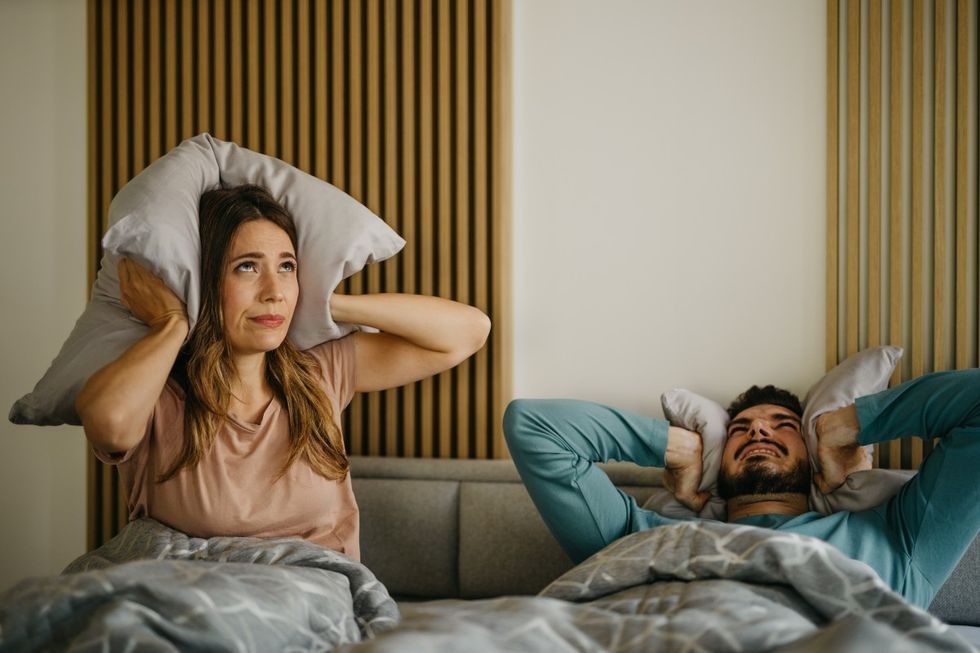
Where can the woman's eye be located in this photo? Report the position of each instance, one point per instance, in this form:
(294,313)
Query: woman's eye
(245,266)
(288,266)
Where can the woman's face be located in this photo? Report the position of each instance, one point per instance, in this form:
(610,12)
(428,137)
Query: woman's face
(259,288)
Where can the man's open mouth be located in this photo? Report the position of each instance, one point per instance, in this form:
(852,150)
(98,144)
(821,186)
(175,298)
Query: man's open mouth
(769,449)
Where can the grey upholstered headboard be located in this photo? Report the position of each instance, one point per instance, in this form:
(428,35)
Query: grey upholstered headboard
(433,529)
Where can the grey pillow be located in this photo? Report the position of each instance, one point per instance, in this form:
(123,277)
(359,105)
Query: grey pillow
(693,412)
(864,373)
(154,221)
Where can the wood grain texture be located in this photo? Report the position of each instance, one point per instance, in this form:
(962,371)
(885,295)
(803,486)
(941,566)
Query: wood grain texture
(853,172)
(895,324)
(833,241)
(874,173)
(915,244)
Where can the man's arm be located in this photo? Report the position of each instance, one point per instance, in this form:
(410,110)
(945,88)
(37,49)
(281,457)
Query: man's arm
(936,515)
(555,444)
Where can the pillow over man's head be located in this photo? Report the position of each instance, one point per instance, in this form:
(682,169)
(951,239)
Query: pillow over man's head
(864,373)
(154,221)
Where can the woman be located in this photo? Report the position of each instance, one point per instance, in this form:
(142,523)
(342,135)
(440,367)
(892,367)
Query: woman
(236,432)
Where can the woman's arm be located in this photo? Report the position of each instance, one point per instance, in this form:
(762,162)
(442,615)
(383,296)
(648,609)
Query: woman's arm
(420,336)
(116,402)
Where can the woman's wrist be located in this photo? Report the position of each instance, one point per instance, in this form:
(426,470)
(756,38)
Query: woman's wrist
(339,310)
(175,322)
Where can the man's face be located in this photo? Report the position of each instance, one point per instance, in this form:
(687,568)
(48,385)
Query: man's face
(764,454)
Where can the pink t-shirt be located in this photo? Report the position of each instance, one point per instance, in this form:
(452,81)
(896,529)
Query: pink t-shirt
(233,491)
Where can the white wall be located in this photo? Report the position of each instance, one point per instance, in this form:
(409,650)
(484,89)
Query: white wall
(42,272)
(669,202)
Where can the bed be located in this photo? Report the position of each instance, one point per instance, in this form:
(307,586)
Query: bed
(438,530)
(455,558)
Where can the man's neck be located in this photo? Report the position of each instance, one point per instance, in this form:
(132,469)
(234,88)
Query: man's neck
(752,505)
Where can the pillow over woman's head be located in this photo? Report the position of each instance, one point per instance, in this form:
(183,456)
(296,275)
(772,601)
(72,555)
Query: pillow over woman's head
(154,221)
(864,373)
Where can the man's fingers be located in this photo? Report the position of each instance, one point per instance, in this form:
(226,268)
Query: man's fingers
(819,482)
(823,485)
(693,500)
(698,500)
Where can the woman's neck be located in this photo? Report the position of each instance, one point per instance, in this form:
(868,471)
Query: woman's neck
(250,384)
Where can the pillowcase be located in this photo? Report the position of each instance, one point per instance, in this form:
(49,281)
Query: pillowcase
(693,412)
(154,221)
(864,373)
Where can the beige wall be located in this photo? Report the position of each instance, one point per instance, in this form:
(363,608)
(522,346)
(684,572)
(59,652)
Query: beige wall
(668,216)
(669,197)
(42,272)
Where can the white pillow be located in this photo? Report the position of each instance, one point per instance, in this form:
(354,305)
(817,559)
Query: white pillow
(154,220)
(864,373)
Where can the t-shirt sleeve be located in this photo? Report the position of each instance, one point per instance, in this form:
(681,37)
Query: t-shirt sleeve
(168,404)
(336,358)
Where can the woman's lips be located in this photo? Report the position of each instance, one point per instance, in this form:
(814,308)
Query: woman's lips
(271,321)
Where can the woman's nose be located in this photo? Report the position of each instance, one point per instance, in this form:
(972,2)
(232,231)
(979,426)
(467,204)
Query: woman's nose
(271,288)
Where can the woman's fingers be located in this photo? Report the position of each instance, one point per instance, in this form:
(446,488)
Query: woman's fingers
(144,294)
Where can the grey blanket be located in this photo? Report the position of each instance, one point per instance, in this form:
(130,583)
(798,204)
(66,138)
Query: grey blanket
(695,586)
(155,589)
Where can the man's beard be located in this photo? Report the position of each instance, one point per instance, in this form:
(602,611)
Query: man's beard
(758,479)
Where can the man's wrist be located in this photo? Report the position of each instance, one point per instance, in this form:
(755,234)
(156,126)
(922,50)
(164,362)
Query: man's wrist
(839,428)
(683,448)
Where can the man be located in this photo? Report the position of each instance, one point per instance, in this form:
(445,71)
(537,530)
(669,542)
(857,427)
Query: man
(913,540)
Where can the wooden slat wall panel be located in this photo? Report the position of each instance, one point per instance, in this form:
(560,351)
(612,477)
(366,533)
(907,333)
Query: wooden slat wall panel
(404,105)
(833,191)
(916,286)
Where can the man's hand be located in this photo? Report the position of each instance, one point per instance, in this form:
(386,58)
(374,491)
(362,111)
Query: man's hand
(838,450)
(683,473)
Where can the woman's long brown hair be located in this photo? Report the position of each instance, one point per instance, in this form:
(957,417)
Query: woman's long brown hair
(204,367)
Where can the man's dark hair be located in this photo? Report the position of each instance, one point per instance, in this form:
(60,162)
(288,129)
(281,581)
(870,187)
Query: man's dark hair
(769,394)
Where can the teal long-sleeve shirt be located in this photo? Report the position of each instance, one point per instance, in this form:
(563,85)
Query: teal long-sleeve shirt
(913,540)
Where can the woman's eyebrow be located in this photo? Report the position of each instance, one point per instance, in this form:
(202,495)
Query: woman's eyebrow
(249,255)
(261,255)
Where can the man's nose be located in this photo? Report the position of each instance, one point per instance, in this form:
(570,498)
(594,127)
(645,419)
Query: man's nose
(759,428)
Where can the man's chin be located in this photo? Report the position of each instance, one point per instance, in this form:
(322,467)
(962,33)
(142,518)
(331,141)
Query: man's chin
(764,462)
(764,475)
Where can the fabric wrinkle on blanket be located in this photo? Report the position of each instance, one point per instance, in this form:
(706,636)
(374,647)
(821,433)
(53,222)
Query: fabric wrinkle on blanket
(693,586)
(153,588)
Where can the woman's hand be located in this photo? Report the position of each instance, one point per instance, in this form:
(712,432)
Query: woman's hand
(838,450)
(146,296)
(682,475)
(115,403)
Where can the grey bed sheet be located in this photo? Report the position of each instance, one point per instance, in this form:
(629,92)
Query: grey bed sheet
(970,633)
(704,586)
(694,586)
(151,588)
